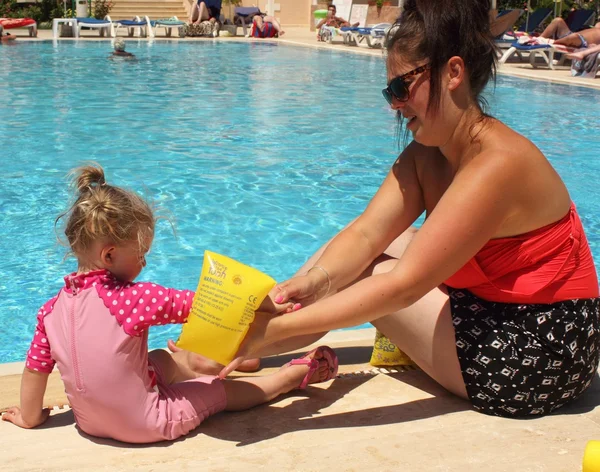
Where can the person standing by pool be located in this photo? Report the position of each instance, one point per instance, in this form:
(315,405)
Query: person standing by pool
(96,330)
(496,295)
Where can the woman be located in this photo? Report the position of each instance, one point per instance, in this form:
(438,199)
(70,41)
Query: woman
(205,10)
(496,295)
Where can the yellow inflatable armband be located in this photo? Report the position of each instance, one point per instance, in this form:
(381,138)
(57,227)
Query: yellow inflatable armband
(591,457)
(228,294)
(385,353)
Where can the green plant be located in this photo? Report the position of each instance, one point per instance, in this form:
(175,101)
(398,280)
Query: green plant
(33,11)
(102,8)
(7,7)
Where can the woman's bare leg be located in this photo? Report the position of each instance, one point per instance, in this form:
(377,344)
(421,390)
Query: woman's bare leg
(556,29)
(499,26)
(591,35)
(424,331)
(258,22)
(275,23)
(199,13)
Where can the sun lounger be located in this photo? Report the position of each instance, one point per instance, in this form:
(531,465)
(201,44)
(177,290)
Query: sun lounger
(532,22)
(543,47)
(103,26)
(13,23)
(371,36)
(329,33)
(580,19)
(137,27)
(168,24)
(243,17)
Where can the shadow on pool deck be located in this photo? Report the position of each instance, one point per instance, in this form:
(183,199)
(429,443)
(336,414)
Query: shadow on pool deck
(363,420)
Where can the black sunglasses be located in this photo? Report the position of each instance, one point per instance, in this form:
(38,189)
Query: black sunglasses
(399,86)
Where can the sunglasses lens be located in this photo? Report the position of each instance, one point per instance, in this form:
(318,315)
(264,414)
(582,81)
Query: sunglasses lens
(387,95)
(399,89)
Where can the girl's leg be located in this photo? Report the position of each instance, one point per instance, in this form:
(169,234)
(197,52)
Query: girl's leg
(244,393)
(184,365)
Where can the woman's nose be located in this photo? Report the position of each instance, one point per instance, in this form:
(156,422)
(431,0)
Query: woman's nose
(397,104)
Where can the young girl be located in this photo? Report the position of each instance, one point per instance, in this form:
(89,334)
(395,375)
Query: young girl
(96,331)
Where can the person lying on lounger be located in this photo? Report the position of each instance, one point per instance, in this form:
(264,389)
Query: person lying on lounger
(560,32)
(265,26)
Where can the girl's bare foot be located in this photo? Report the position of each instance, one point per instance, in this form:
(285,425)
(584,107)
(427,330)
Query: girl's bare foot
(319,365)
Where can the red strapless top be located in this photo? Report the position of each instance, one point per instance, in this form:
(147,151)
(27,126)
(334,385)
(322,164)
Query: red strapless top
(547,265)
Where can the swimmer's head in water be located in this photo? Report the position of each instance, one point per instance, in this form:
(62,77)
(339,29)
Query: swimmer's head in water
(119,44)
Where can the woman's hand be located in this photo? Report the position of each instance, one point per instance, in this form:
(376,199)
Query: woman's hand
(13,415)
(256,338)
(270,306)
(303,289)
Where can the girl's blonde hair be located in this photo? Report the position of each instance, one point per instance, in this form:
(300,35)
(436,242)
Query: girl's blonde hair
(105,212)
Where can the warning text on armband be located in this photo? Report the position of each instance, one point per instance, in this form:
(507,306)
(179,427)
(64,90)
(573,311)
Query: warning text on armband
(248,315)
(213,320)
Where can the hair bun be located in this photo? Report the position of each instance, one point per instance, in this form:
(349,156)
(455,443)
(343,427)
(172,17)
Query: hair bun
(88,177)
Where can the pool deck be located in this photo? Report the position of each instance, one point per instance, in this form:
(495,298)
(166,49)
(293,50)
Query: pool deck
(303,37)
(366,419)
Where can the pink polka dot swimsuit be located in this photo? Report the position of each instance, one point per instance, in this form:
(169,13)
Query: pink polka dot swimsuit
(96,331)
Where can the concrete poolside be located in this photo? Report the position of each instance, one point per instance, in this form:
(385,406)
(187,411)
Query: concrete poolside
(364,420)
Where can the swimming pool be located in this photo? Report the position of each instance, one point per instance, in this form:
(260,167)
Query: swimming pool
(258,151)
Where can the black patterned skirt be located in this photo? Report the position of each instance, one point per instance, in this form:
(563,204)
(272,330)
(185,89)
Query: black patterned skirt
(521,360)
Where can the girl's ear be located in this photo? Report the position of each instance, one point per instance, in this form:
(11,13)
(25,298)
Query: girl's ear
(456,72)
(107,255)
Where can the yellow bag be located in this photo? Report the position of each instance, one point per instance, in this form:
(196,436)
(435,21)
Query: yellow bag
(385,353)
(228,294)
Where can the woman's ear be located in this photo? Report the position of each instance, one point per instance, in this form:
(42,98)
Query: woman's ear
(456,72)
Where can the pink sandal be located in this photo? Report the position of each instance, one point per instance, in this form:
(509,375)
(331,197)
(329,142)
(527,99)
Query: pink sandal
(313,364)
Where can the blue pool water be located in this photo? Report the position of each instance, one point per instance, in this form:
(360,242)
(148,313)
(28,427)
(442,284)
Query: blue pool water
(258,151)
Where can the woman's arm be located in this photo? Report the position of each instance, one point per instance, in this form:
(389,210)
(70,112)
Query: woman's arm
(470,213)
(31,413)
(396,205)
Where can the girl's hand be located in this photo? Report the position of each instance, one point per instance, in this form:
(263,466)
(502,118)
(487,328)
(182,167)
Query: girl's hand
(253,342)
(13,415)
